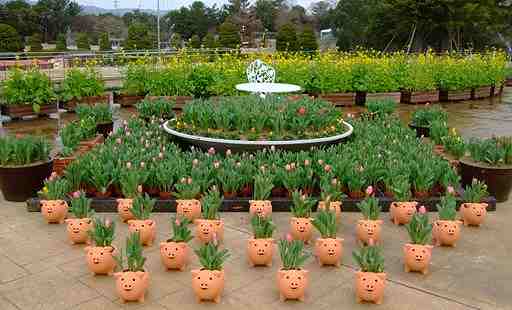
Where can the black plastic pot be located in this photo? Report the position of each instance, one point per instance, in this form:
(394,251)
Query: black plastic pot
(420,131)
(105,128)
(498,179)
(23,182)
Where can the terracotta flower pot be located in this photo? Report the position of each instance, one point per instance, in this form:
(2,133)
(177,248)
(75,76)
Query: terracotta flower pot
(165,195)
(370,287)
(132,286)
(301,228)
(208,284)
(402,212)
(292,284)
(368,229)
(473,213)
(100,260)
(417,257)
(329,251)
(205,230)
(123,209)
(174,255)
(54,211)
(262,208)
(356,194)
(146,229)
(103,195)
(78,230)
(259,251)
(189,208)
(445,232)
(334,206)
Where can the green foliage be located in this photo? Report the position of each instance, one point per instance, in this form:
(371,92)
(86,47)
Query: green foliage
(438,130)
(187,190)
(56,189)
(81,83)
(475,192)
(286,39)
(139,37)
(330,190)
(176,41)
(325,223)
(28,87)
(292,254)
(133,253)
(210,41)
(262,227)
(61,44)
(447,208)
(195,41)
(381,108)
(419,229)
(105,42)
(82,41)
(135,80)
(181,232)
(369,259)
(74,132)
(210,257)
(81,206)
(142,207)
(130,180)
(493,151)
(229,36)
(99,112)
(23,151)
(370,208)
(302,204)
(156,109)
(201,81)
(308,40)
(9,39)
(103,231)
(262,186)
(424,117)
(35,42)
(210,204)
(454,145)
(401,188)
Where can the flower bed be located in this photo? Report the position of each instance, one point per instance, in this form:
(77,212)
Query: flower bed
(82,86)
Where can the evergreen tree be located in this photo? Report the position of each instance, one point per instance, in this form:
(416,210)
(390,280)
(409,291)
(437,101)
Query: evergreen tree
(35,42)
(82,41)
(287,38)
(105,42)
(61,42)
(308,40)
(139,37)
(176,41)
(195,41)
(229,37)
(9,39)
(209,41)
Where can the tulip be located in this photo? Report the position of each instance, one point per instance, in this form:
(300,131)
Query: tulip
(450,190)
(306,162)
(139,188)
(118,141)
(129,165)
(371,242)
(142,164)
(422,210)
(76,194)
(327,168)
(289,237)
(228,152)
(177,221)
(369,190)
(211,151)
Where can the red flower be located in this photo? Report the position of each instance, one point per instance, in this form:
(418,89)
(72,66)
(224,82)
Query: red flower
(301,111)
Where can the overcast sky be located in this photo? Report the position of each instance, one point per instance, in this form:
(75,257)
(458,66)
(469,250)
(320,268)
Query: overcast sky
(164,4)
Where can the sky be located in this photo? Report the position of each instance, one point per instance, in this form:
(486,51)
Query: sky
(164,4)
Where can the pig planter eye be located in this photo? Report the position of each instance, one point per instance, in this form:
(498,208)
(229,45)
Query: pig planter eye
(473,214)
(78,230)
(132,286)
(402,212)
(370,287)
(54,211)
(292,284)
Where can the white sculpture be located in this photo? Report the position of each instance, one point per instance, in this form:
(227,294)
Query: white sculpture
(260,72)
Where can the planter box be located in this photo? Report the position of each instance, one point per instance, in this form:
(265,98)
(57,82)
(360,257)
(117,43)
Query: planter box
(60,164)
(180,100)
(416,97)
(481,92)
(393,96)
(19,111)
(508,81)
(86,145)
(455,95)
(293,97)
(340,99)
(71,104)
(127,100)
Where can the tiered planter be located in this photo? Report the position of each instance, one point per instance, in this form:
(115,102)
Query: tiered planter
(127,100)
(22,110)
(393,96)
(86,145)
(339,99)
(60,164)
(454,95)
(481,92)
(415,97)
(71,104)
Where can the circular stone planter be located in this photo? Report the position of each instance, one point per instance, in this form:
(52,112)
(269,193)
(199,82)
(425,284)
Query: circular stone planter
(223,145)
(498,179)
(18,183)
(420,130)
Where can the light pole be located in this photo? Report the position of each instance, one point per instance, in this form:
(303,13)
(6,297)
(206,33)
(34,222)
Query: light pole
(158,23)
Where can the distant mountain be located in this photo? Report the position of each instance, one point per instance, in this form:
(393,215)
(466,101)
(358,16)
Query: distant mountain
(94,10)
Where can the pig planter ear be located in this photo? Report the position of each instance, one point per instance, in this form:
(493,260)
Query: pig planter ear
(370,287)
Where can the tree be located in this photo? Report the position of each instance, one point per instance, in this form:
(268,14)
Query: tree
(138,38)
(308,40)
(20,15)
(105,42)
(61,42)
(9,39)
(321,12)
(82,41)
(195,19)
(209,41)
(195,41)
(176,41)
(286,39)
(228,35)
(56,16)
(265,11)
(35,42)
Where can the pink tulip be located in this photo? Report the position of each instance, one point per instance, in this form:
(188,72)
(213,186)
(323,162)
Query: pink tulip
(369,190)
(306,162)
(214,239)
(327,168)
(76,194)
(321,162)
(450,190)
(189,181)
(177,222)
(289,237)
(211,151)
(293,165)
(371,242)
(118,141)
(195,162)
(183,181)
(422,210)
(139,188)
(288,167)
(108,222)
(228,152)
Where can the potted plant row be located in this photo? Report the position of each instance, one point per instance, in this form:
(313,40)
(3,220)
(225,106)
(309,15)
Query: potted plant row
(82,86)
